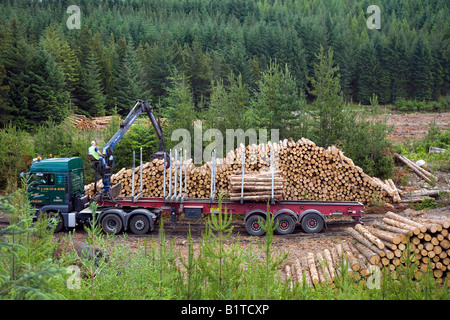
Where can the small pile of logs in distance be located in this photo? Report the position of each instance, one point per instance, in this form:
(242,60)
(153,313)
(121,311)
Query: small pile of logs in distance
(81,122)
(419,171)
(304,171)
(385,244)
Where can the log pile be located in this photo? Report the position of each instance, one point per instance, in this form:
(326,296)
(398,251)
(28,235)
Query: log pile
(385,245)
(102,123)
(256,186)
(316,173)
(81,122)
(419,171)
(304,171)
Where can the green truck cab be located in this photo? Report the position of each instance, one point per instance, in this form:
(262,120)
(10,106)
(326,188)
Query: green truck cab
(56,185)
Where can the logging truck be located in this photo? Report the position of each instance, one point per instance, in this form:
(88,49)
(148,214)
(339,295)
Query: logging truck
(56,188)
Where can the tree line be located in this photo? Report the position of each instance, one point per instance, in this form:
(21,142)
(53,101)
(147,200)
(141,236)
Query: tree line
(143,49)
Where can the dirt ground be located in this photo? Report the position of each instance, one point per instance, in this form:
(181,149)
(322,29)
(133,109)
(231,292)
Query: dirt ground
(411,126)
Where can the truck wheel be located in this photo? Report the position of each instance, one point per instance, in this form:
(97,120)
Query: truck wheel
(286,224)
(312,223)
(139,224)
(253,225)
(55,221)
(112,223)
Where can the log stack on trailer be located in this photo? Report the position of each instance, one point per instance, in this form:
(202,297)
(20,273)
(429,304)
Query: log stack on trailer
(383,244)
(306,172)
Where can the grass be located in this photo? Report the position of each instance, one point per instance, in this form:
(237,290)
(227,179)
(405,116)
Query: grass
(34,265)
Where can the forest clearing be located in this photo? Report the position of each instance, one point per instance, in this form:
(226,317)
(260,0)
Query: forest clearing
(358,181)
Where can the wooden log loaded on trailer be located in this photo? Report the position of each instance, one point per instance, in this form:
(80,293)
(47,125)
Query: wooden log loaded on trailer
(394,241)
(299,181)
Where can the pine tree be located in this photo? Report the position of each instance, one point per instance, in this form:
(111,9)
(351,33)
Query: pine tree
(93,99)
(279,104)
(128,85)
(368,70)
(5,107)
(421,81)
(178,106)
(65,57)
(328,116)
(229,104)
(36,83)
(197,67)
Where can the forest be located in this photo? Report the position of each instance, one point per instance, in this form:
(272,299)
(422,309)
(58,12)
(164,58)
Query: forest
(214,49)
(309,68)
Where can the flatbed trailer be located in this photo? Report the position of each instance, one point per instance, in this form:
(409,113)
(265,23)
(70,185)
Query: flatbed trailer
(56,187)
(140,216)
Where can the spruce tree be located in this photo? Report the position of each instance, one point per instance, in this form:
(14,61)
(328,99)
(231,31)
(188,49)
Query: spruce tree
(197,68)
(128,85)
(328,109)
(278,103)
(421,76)
(93,99)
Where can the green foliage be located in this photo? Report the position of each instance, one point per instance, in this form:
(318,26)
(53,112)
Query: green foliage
(421,106)
(279,104)
(427,203)
(366,144)
(16,153)
(26,264)
(328,109)
(139,136)
(206,41)
(419,149)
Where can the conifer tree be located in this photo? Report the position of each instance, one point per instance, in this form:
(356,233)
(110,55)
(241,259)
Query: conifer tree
(421,81)
(128,85)
(93,99)
(327,114)
(278,103)
(197,68)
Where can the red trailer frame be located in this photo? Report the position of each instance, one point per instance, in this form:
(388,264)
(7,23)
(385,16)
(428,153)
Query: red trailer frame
(310,214)
(139,214)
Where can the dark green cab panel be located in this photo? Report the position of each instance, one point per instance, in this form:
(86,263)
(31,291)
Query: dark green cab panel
(57,165)
(55,181)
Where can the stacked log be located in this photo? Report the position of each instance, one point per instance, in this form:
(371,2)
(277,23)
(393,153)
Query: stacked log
(419,171)
(315,173)
(256,186)
(81,122)
(390,243)
(304,172)
(102,123)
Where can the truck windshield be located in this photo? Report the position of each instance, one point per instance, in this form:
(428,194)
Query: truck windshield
(41,179)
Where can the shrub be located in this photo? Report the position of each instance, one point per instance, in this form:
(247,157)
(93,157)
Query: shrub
(16,154)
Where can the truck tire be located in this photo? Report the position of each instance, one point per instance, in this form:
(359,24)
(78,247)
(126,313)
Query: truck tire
(139,224)
(56,221)
(286,224)
(111,223)
(312,223)
(253,225)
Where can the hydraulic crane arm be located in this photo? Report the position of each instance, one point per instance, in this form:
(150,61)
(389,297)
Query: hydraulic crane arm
(139,107)
(107,150)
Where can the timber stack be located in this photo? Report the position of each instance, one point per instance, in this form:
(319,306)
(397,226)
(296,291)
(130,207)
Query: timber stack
(395,240)
(81,122)
(303,170)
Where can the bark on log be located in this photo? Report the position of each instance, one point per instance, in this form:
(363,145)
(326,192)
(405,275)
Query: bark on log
(312,268)
(397,217)
(370,236)
(354,263)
